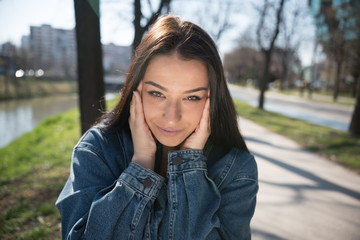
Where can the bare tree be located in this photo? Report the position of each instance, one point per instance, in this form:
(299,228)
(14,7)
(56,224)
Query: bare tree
(266,40)
(90,69)
(139,18)
(334,42)
(241,64)
(290,40)
(354,128)
(354,46)
(215,16)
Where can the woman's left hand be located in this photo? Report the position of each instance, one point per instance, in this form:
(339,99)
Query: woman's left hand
(198,138)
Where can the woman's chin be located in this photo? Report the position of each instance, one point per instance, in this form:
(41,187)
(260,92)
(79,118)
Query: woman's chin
(173,143)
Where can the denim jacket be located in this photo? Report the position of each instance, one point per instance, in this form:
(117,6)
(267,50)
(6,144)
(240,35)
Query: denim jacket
(109,197)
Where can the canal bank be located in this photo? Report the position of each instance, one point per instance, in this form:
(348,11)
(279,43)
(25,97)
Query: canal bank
(12,88)
(20,116)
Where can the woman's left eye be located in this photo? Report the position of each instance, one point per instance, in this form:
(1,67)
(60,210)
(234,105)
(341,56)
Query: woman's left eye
(193,98)
(156,94)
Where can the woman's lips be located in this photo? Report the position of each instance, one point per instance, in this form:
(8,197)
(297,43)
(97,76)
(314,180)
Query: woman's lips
(169,132)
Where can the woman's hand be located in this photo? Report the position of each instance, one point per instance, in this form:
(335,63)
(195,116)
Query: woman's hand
(198,138)
(144,143)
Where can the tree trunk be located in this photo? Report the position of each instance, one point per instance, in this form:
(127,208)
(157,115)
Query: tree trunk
(264,81)
(138,19)
(267,51)
(337,80)
(354,128)
(354,91)
(283,80)
(90,69)
(137,25)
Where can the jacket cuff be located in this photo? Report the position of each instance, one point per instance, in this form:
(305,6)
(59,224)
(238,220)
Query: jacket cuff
(185,160)
(142,180)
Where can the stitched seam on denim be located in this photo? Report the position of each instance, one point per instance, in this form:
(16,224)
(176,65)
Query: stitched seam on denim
(137,190)
(93,151)
(173,209)
(123,149)
(246,175)
(188,170)
(244,178)
(138,213)
(226,170)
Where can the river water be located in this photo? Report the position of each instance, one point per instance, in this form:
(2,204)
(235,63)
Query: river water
(20,116)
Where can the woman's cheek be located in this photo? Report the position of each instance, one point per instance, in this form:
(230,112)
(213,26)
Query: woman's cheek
(194,113)
(148,108)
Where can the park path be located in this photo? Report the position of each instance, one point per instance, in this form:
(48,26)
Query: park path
(301,195)
(325,113)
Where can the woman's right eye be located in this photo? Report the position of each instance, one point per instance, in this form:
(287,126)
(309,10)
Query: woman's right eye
(156,94)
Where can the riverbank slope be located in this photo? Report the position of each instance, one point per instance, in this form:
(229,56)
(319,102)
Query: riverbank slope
(18,88)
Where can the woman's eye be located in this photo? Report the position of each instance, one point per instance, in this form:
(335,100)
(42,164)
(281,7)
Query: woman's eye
(193,98)
(156,94)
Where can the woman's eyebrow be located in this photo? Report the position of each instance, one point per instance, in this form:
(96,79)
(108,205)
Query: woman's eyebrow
(156,85)
(197,90)
(165,89)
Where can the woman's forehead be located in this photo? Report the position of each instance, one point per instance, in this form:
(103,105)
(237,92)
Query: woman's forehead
(170,71)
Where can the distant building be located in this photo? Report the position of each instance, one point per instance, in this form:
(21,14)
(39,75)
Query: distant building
(8,56)
(53,50)
(8,50)
(116,59)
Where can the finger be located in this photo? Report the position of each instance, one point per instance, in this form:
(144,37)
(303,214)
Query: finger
(132,106)
(206,114)
(140,87)
(132,118)
(138,106)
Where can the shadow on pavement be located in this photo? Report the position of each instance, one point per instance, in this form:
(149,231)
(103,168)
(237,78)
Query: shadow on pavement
(256,233)
(321,184)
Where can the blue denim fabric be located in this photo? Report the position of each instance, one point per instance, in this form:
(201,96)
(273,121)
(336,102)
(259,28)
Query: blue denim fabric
(109,197)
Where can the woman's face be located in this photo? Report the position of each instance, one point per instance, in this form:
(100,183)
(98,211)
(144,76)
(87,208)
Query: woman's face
(174,92)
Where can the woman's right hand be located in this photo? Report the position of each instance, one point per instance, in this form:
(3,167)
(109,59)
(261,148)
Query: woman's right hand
(144,143)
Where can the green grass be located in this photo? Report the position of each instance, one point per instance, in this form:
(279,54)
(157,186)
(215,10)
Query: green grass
(33,170)
(333,144)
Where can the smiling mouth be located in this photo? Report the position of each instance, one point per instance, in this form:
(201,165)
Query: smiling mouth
(169,132)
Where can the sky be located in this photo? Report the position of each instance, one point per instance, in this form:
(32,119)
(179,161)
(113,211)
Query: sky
(16,17)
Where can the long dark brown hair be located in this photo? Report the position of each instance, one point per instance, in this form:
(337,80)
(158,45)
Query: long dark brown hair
(170,34)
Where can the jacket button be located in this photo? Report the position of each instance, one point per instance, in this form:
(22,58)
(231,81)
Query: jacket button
(147,182)
(178,160)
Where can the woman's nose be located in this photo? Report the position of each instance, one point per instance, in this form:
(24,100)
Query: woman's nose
(172,112)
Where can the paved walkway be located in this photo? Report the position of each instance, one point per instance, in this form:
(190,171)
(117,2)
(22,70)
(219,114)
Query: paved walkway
(301,195)
(321,113)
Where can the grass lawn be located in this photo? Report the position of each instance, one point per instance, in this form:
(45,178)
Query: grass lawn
(333,144)
(34,168)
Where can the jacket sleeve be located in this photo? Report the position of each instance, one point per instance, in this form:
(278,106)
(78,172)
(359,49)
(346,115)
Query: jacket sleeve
(204,209)
(95,204)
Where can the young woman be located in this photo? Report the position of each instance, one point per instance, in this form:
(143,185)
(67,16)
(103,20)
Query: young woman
(169,161)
